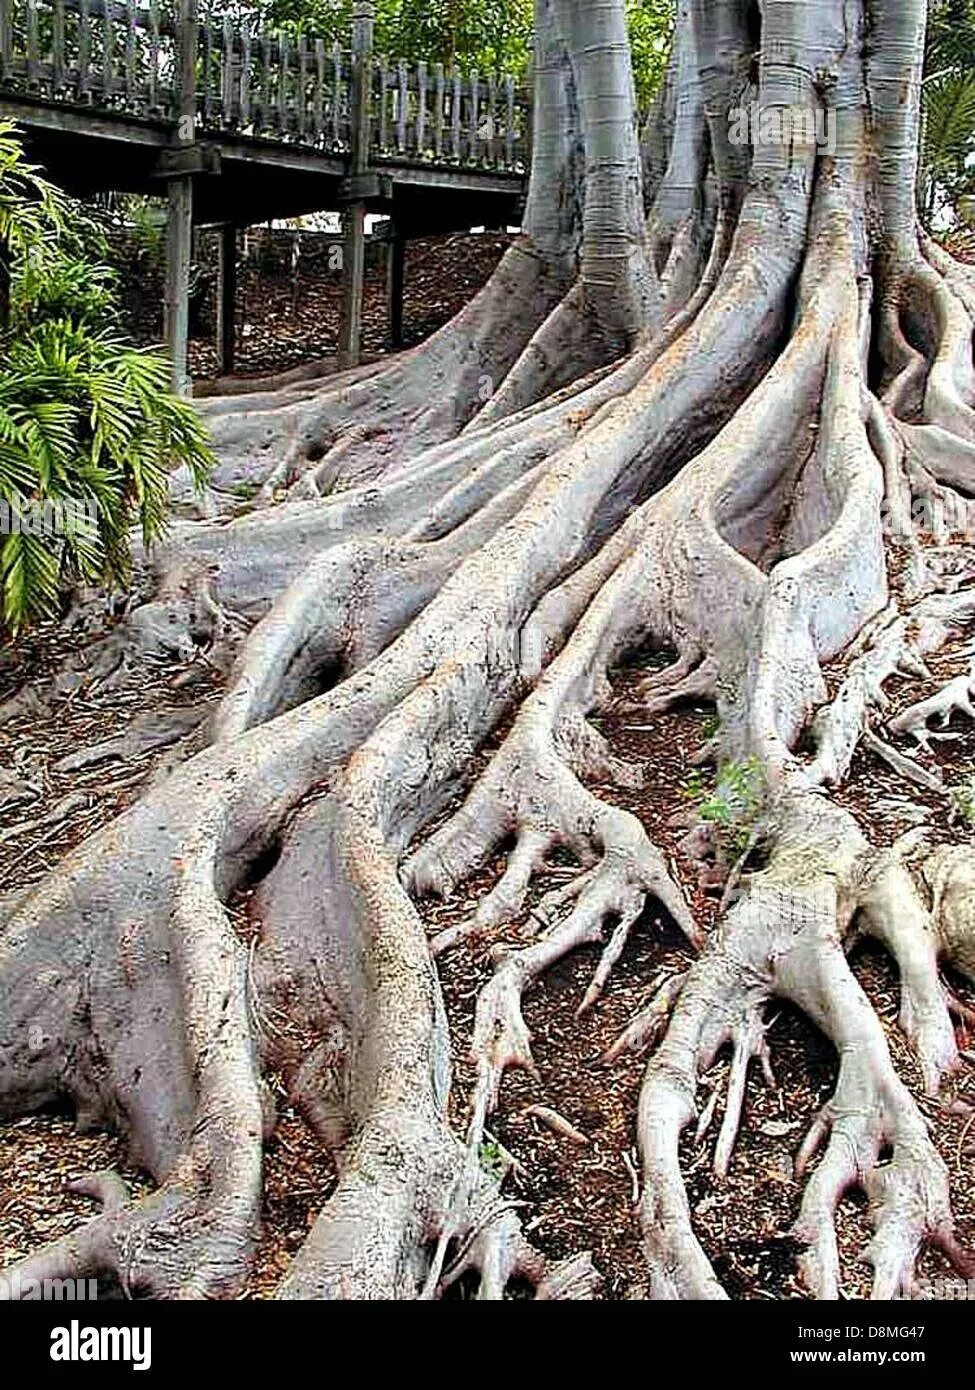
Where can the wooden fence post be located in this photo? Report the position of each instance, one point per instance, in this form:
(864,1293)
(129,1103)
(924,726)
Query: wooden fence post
(179,221)
(6,35)
(354,260)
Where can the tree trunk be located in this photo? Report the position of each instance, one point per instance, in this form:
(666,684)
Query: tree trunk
(711,435)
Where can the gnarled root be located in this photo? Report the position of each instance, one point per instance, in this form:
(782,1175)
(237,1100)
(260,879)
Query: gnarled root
(413,403)
(88,999)
(954,697)
(950,875)
(784,940)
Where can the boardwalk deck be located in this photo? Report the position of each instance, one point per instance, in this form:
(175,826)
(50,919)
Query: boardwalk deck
(95,63)
(261,124)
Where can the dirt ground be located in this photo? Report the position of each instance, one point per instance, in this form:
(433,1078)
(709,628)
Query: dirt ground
(285,320)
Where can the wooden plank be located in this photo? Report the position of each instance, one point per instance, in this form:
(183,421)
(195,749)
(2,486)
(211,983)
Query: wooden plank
(153,62)
(227,103)
(108,51)
(455,105)
(385,81)
(402,106)
(131,86)
(360,105)
(246,66)
(337,94)
(6,36)
(509,121)
(176,301)
(319,101)
(473,114)
(179,222)
(492,117)
(354,217)
(421,108)
(438,110)
(226,300)
(33,44)
(57,45)
(301,94)
(265,98)
(206,85)
(84,50)
(284,61)
(187,39)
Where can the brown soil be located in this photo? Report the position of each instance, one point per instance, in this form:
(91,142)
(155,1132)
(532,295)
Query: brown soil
(285,321)
(299,1177)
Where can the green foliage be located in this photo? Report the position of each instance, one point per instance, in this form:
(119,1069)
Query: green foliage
(29,205)
(651,24)
(88,425)
(963,801)
(491,1159)
(146,227)
(711,726)
(493,36)
(735,805)
(948,145)
(62,286)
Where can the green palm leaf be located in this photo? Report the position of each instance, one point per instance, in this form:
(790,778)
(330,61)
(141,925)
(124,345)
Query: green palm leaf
(86,420)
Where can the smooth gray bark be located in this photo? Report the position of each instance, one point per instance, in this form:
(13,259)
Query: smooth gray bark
(736,488)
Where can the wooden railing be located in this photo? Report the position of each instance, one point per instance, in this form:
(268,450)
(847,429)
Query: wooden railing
(120,56)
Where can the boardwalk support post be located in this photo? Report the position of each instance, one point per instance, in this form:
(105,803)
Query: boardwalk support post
(179,254)
(395,282)
(226,299)
(179,221)
(354,216)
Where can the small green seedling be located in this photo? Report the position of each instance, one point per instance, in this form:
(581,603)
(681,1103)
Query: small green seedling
(963,801)
(734,806)
(491,1159)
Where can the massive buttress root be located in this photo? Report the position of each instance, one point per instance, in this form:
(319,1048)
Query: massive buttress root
(768,377)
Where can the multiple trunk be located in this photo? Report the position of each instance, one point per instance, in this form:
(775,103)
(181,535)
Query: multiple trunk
(705,430)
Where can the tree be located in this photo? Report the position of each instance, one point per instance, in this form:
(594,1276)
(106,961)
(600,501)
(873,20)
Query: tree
(713,431)
(88,427)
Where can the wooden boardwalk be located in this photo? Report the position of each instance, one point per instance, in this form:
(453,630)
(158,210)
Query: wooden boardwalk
(237,126)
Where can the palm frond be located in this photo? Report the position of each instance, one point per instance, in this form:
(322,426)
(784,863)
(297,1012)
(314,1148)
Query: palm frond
(88,425)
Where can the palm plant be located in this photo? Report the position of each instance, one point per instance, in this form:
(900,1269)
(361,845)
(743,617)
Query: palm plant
(948,148)
(87,421)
